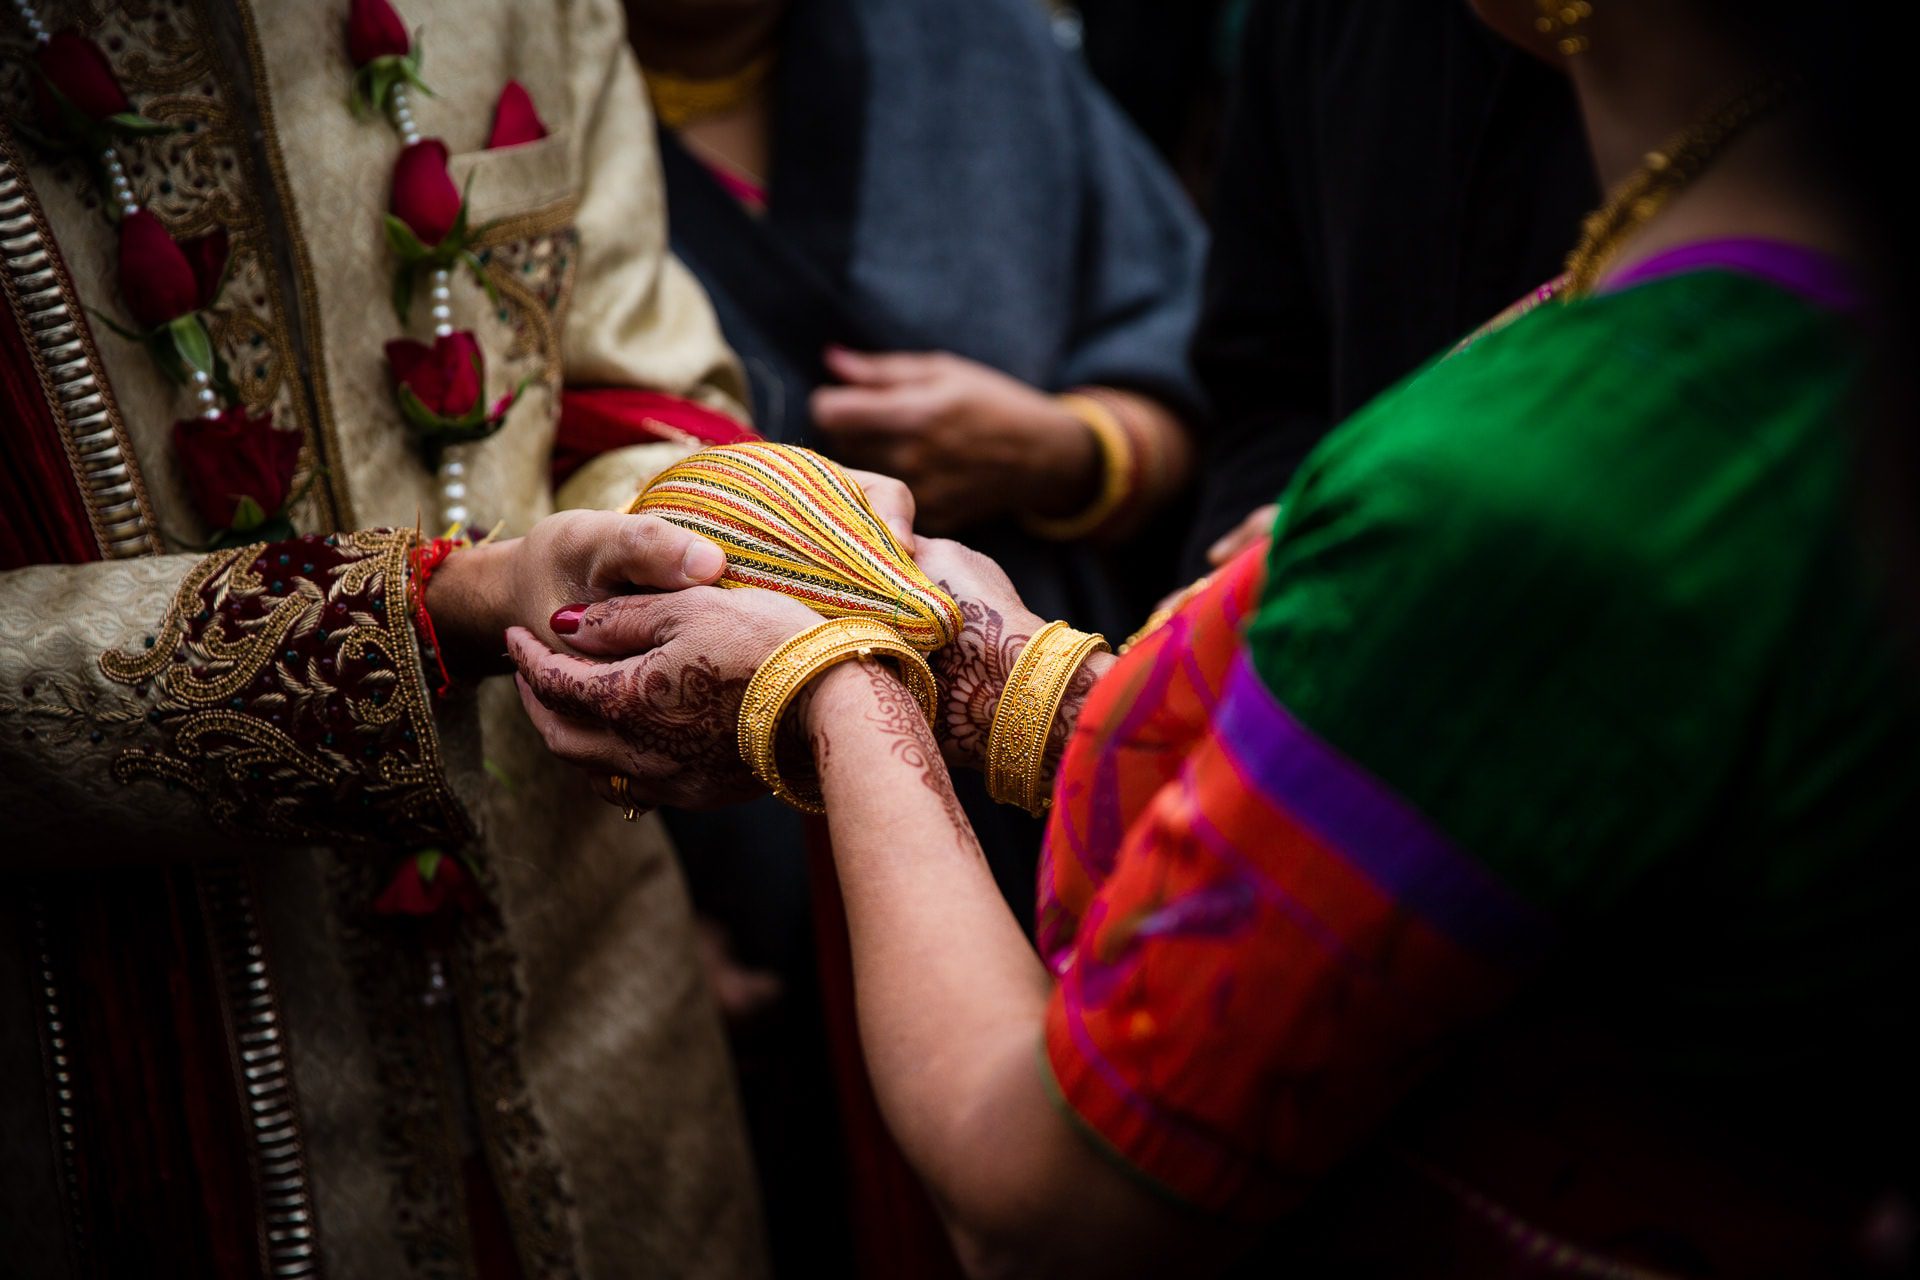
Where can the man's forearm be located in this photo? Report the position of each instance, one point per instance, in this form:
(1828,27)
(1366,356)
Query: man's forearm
(469,615)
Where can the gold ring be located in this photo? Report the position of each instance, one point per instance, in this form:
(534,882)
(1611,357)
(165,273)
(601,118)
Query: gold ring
(623,792)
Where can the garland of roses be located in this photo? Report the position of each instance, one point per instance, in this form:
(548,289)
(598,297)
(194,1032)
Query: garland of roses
(238,466)
(439,388)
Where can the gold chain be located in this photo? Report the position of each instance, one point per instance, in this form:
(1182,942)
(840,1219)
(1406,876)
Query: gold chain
(1646,191)
(681,100)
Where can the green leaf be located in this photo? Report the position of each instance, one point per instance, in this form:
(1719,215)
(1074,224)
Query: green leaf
(413,61)
(402,241)
(191,340)
(498,774)
(403,293)
(457,235)
(422,419)
(160,345)
(133,124)
(386,76)
(481,277)
(247,515)
(427,862)
(360,95)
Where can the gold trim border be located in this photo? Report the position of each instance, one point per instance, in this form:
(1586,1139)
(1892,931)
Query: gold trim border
(48,311)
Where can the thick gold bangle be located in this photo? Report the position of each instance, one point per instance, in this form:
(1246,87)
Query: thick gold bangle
(1116,471)
(1023,718)
(787,670)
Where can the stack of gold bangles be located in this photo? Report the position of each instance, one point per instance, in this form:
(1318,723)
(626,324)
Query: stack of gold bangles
(1119,465)
(799,660)
(1023,718)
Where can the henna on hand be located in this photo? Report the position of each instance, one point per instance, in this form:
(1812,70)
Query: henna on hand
(972,671)
(671,724)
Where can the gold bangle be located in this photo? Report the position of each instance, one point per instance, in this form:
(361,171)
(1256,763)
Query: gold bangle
(1023,718)
(1116,471)
(788,669)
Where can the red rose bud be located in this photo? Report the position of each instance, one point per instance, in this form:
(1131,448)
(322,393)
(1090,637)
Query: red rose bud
(427,884)
(157,279)
(514,119)
(233,457)
(207,255)
(80,71)
(374,30)
(447,378)
(424,196)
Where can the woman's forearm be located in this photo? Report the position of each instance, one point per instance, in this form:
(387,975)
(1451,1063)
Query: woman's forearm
(947,984)
(951,1000)
(1168,443)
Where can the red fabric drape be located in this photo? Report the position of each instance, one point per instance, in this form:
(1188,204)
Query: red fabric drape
(594,420)
(42,517)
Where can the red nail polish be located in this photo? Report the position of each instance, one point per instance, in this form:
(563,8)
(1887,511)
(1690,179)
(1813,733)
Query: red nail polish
(566,621)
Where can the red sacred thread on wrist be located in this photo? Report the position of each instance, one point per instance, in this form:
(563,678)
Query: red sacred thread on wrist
(425,559)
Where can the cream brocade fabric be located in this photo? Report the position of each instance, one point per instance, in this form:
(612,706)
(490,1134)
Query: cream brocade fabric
(602,1081)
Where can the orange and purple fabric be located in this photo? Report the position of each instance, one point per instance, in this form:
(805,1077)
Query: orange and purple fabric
(1254,942)
(1490,703)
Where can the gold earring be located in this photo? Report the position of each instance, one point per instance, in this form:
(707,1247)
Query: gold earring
(1561,17)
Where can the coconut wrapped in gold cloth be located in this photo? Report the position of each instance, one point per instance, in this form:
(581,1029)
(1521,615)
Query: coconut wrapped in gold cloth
(791,521)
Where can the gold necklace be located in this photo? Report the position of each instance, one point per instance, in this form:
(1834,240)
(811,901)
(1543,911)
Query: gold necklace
(1646,191)
(681,100)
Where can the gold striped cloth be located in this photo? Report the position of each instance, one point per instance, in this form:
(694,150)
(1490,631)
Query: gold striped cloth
(791,521)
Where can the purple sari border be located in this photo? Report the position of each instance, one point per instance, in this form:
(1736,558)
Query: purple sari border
(1374,830)
(1820,278)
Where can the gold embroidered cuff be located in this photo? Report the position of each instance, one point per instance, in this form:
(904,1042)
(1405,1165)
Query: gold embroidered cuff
(1116,472)
(285,687)
(799,660)
(1023,718)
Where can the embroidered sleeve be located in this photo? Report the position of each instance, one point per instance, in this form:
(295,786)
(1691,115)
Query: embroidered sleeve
(284,689)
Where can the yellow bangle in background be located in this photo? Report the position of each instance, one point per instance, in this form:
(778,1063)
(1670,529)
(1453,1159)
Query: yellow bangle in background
(1023,718)
(1116,471)
(788,669)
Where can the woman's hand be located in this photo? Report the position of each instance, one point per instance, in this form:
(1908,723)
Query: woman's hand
(973,669)
(568,558)
(1257,525)
(664,711)
(969,441)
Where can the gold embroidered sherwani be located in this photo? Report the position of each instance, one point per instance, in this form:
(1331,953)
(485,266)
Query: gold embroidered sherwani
(240,746)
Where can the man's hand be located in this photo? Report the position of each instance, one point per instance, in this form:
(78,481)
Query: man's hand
(574,557)
(969,441)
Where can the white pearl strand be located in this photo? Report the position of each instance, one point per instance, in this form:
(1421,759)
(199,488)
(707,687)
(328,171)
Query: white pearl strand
(121,193)
(32,20)
(453,472)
